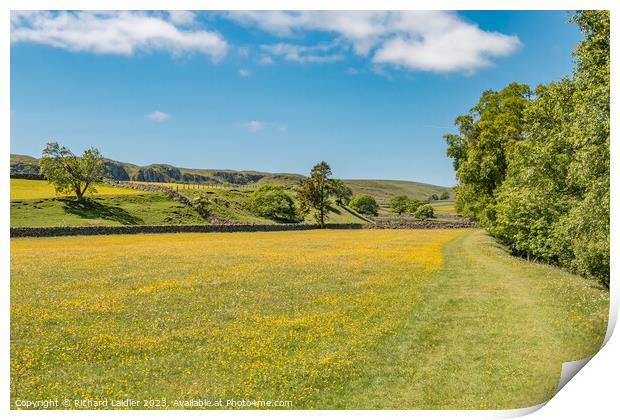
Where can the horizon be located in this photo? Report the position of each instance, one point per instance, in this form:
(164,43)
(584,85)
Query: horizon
(254,170)
(272,91)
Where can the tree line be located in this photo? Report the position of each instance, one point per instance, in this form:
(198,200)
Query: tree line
(532,165)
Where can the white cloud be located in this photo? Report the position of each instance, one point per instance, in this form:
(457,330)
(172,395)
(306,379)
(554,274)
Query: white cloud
(182,17)
(437,41)
(244,72)
(321,53)
(254,126)
(158,116)
(121,33)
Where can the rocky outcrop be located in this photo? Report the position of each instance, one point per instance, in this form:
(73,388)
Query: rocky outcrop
(238,178)
(115,171)
(158,173)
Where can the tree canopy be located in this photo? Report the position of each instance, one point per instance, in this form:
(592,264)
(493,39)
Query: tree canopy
(533,167)
(71,174)
(315,191)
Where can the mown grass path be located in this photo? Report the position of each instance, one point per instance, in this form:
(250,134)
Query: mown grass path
(491,332)
(327,319)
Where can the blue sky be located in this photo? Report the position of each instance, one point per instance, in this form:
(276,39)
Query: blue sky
(370,94)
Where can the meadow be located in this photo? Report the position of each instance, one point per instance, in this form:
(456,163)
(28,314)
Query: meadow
(323,318)
(28,189)
(35,203)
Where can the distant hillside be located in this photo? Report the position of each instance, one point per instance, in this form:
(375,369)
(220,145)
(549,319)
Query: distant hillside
(382,190)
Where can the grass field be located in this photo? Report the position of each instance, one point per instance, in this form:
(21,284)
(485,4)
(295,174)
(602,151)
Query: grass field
(25,189)
(134,209)
(235,204)
(444,207)
(383,190)
(326,319)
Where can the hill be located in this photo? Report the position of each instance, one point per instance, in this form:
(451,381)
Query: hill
(382,190)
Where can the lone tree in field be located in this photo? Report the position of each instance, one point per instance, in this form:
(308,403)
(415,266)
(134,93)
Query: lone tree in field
(69,173)
(315,192)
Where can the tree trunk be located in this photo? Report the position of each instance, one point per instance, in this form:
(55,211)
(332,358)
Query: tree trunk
(79,196)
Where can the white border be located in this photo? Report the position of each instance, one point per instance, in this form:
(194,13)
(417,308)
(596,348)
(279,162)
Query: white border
(593,393)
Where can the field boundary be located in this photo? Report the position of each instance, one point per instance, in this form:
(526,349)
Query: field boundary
(46,231)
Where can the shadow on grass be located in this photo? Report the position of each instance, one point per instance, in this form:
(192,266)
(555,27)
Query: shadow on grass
(91,209)
(358,215)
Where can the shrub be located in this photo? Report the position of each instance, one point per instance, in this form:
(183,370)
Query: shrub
(444,195)
(433,197)
(398,204)
(424,212)
(364,204)
(201,203)
(274,203)
(413,205)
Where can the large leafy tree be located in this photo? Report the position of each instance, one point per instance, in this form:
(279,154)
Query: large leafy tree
(536,173)
(273,202)
(536,192)
(315,191)
(585,228)
(479,150)
(71,174)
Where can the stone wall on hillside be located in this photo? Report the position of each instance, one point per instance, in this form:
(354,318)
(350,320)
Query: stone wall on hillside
(174,195)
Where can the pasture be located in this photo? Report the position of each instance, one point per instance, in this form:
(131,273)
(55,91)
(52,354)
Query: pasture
(325,319)
(28,189)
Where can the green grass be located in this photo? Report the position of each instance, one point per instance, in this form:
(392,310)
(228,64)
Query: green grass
(235,204)
(131,209)
(326,319)
(444,207)
(29,189)
(383,190)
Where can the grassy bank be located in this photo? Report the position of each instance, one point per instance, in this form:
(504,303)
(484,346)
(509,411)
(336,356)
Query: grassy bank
(130,209)
(326,319)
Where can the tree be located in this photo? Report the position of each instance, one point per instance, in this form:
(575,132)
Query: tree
(314,193)
(273,202)
(413,205)
(433,197)
(365,204)
(424,212)
(535,169)
(69,173)
(444,195)
(398,204)
(490,128)
(341,191)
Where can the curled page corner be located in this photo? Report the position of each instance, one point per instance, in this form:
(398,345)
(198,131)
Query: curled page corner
(569,370)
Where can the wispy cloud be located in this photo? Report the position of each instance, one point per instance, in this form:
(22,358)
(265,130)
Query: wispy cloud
(158,116)
(437,41)
(123,33)
(244,72)
(254,126)
(321,53)
(266,59)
